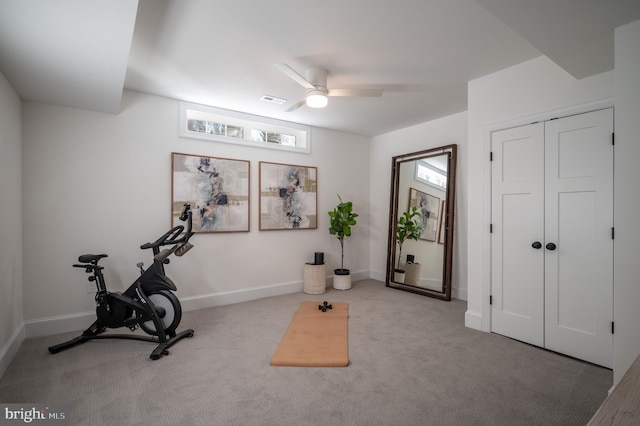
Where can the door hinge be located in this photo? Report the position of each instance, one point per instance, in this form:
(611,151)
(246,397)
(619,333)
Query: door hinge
(491,300)
(491,228)
(491,156)
(613,327)
(613,138)
(613,233)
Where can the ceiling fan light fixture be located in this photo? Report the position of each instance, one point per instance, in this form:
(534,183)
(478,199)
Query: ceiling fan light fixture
(317,99)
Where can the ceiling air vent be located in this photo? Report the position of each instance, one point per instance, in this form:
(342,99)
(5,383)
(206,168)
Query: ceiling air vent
(273,99)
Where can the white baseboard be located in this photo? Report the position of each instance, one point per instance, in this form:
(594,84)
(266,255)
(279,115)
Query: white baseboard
(459,294)
(473,320)
(455,293)
(59,324)
(80,321)
(10,349)
(357,276)
(237,296)
(247,294)
(378,276)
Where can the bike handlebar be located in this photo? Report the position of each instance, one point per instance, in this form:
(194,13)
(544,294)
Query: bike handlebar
(171,236)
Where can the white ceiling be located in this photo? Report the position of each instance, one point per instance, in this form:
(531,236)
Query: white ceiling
(68,52)
(422,53)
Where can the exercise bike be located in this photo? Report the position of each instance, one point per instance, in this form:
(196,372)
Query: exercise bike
(148,303)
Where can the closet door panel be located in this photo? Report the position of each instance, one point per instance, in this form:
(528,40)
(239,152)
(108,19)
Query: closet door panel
(517,222)
(578,221)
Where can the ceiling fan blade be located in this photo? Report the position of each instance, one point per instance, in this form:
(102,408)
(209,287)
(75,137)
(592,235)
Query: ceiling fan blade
(356,92)
(296,106)
(286,69)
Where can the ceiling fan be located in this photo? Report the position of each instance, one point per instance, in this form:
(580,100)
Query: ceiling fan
(317,91)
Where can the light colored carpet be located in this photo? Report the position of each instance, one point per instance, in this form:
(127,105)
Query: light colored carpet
(412,362)
(315,338)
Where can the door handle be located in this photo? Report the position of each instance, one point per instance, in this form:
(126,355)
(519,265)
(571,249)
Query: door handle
(551,246)
(536,245)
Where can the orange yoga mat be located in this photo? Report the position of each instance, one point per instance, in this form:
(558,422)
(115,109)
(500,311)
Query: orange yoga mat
(315,338)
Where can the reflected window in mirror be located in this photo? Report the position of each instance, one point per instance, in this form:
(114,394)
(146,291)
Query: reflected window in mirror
(427,172)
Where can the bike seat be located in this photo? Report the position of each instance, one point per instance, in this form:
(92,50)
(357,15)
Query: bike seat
(91,258)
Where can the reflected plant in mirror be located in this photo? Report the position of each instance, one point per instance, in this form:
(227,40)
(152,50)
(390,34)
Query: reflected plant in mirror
(408,228)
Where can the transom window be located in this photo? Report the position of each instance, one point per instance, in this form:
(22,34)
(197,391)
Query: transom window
(220,125)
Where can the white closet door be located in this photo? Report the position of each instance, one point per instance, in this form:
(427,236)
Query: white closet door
(517,209)
(578,221)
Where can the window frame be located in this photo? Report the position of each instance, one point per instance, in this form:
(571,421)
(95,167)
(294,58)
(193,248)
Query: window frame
(248,122)
(422,163)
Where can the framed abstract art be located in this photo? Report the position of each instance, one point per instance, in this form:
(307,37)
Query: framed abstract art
(429,208)
(216,188)
(288,196)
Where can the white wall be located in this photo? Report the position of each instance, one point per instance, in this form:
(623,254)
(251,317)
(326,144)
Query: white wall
(530,90)
(510,97)
(627,199)
(11,329)
(444,131)
(97,183)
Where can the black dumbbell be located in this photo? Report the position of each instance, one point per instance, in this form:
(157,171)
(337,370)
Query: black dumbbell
(324,307)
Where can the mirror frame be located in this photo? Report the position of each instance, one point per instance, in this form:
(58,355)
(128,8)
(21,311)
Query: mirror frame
(451,152)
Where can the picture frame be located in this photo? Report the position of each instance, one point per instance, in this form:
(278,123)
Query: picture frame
(288,196)
(441,228)
(429,208)
(216,188)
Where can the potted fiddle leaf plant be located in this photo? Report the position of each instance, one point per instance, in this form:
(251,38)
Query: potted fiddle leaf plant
(409,227)
(341,219)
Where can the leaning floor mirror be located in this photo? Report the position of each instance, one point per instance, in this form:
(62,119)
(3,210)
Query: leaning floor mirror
(422,205)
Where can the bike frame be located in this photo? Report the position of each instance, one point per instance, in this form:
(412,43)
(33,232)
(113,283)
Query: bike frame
(133,305)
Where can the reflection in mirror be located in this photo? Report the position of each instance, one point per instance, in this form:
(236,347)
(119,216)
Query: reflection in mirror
(421,222)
